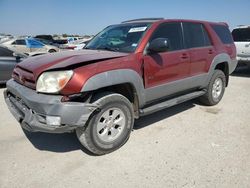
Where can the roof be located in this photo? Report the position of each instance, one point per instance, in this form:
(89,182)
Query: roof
(152,20)
(242,27)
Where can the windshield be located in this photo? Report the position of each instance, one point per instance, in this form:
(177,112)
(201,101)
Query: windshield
(241,35)
(120,38)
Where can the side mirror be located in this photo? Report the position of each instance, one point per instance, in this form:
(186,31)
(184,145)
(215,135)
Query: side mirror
(158,45)
(18,56)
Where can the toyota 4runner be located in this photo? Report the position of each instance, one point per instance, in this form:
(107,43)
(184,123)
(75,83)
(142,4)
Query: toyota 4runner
(126,71)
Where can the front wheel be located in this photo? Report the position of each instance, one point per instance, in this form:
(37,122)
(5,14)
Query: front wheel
(215,89)
(110,127)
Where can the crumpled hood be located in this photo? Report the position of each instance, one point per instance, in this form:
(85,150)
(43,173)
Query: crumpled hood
(64,59)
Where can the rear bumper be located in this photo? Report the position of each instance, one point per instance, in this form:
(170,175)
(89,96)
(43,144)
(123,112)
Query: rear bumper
(32,110)
(244,60)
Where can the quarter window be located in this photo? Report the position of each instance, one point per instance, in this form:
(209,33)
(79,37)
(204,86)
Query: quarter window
(224,33)
(171,31)
(195,35)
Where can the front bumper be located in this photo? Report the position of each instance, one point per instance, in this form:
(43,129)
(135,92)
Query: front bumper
(31,109)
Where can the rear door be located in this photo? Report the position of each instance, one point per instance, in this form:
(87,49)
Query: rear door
(7,64)
(199,46)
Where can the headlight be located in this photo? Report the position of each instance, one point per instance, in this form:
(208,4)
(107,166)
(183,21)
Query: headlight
(53,82)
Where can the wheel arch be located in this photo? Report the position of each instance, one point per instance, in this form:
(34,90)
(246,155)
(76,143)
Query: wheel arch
(126,82)
(221,62)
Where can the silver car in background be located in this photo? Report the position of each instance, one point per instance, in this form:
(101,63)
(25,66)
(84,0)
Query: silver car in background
(8,60)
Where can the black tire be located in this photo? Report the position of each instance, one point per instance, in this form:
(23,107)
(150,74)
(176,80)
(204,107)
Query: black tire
(90,137)
(52,51)
(208,98)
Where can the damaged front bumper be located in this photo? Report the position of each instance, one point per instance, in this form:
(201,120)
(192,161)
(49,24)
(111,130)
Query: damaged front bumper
(45,113)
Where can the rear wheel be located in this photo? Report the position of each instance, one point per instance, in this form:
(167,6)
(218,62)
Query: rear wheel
(52,51)
(109,128)
(215,89)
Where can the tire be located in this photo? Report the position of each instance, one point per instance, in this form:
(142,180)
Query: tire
(52,51)
(110,127)
(215,89)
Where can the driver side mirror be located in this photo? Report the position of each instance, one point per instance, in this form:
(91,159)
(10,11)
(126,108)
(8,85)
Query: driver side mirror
(18,56)
(158,45)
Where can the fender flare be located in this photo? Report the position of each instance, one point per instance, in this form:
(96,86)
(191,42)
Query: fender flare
(115,77)
(220,58)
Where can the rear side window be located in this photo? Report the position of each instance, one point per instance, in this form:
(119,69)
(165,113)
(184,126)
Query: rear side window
(195,35)
(223,33)
(5,52)
(171,31)
(241,34)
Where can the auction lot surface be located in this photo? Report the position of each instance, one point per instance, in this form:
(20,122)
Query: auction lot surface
(188,145)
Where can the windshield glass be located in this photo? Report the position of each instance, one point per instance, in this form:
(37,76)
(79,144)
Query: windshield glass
(120,38)
(241,35)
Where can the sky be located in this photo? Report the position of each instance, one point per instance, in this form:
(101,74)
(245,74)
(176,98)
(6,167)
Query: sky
(31,17)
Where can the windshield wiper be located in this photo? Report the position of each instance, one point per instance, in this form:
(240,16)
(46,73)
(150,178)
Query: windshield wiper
(108,49)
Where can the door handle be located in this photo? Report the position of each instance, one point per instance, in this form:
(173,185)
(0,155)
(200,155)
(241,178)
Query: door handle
(184,56)
(210,51)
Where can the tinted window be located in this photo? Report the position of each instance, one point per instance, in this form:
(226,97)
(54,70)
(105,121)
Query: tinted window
(223,33)
(5,52)
(19,42)
(171,31)
(241,35)
(195,35)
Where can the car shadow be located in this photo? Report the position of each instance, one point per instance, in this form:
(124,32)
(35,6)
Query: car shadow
(66,142)
(242,71)
(163,114)
(59,143)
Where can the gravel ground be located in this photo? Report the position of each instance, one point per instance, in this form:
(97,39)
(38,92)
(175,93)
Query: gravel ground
(188,145)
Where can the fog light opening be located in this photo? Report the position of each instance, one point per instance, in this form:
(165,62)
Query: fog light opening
(53,120)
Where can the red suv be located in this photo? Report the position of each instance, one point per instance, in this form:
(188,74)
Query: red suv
(126,71)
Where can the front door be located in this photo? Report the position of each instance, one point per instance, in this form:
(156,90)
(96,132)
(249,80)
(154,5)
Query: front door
(165,72)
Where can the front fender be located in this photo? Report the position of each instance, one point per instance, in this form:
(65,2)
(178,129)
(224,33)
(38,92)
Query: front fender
(115,77)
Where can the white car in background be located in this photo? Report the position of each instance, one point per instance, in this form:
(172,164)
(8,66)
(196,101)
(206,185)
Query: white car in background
(80,46)
(30,45)
(241,37)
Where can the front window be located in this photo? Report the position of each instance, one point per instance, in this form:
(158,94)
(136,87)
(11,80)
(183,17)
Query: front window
(120,38)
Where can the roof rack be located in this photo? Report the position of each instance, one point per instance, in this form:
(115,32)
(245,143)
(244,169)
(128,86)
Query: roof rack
(143,20)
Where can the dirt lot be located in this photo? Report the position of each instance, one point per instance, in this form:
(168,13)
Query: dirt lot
(188,145)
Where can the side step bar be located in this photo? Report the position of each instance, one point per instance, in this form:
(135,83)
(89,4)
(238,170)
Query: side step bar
(171,102)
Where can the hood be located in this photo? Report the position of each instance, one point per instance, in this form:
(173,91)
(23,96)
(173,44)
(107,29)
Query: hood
(59,60)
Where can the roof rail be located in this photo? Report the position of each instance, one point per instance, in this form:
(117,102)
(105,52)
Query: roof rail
(143,20)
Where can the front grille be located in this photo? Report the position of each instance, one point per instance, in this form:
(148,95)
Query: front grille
(24,77)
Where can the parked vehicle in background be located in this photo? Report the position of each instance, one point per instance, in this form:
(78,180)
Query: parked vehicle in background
(126,71)
(241,37)
(80,46)
(4,38)
(77,44)
(8,60)
(47,42)
(50,40)
(29,45)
